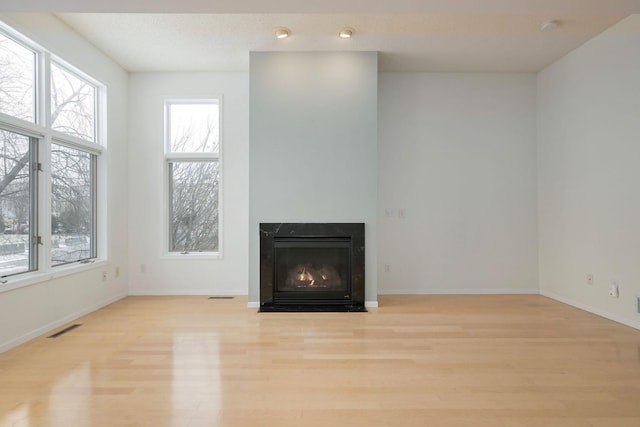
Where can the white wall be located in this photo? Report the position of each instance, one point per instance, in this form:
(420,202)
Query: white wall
(589,173)
(162,275)
(457,183)
(313,146)
(33,310)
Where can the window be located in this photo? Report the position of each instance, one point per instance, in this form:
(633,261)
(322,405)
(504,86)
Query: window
(194,128)
(73,104)
(18,201)
(192,156)
(50,156)
(73,169)
(73,205)
(17,79)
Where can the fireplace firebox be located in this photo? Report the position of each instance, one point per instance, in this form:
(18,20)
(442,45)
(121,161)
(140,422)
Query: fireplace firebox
(312,267)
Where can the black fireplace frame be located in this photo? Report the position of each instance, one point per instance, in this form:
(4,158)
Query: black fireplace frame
(354,301)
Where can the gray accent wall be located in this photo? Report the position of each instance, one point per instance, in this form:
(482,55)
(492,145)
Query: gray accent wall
(313,145)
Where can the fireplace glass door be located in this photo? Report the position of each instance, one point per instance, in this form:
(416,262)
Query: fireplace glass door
(312,269)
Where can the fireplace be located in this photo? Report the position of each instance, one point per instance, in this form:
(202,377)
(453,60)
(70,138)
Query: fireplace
(312,267)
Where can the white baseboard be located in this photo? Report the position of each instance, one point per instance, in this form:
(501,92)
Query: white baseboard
(602,313)
(182,292)
(458,291)
(56,324)
(253,304)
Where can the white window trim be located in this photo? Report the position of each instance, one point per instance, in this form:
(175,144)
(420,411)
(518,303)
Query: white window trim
(169,156)
(41,129)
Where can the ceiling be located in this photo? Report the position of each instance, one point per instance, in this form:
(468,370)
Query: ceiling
(411,35)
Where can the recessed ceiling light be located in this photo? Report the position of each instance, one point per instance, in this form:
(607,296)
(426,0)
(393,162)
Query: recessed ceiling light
(549,25)
(282,32)
(346,33)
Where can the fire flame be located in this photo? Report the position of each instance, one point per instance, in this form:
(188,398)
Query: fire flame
(306,276)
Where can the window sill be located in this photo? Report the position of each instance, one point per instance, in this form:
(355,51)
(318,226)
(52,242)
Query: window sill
(66,270)
(29,279)
(192,255)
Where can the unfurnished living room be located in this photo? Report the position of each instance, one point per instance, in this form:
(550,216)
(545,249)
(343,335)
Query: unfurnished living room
(337,213)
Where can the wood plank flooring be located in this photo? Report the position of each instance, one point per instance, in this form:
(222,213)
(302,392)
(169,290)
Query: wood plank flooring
(442,361)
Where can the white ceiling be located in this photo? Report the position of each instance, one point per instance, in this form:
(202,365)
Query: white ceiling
(411,35)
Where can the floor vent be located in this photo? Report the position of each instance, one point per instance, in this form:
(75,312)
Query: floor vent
(220,297)
(65,330)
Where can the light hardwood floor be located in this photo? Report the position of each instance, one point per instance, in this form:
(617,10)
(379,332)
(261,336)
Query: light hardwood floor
(495,361)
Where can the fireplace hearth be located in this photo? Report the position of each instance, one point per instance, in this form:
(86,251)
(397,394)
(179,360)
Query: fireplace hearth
(311,267)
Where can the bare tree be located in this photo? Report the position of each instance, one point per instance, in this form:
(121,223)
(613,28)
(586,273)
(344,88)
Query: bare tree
(71,204)
(14,178)
(194,184)
(17,71)
(194,206)
(72,104)
(16,99)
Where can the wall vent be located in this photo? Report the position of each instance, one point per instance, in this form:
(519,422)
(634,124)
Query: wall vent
(221,297)
(65,330)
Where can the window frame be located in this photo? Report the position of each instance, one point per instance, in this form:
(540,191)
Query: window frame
(176,157)
(41,129)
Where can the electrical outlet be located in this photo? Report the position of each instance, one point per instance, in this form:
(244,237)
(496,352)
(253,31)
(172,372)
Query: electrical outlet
(387,268)
(104,276)
(614,290)
(117,272)
(638,304)
(590,279)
